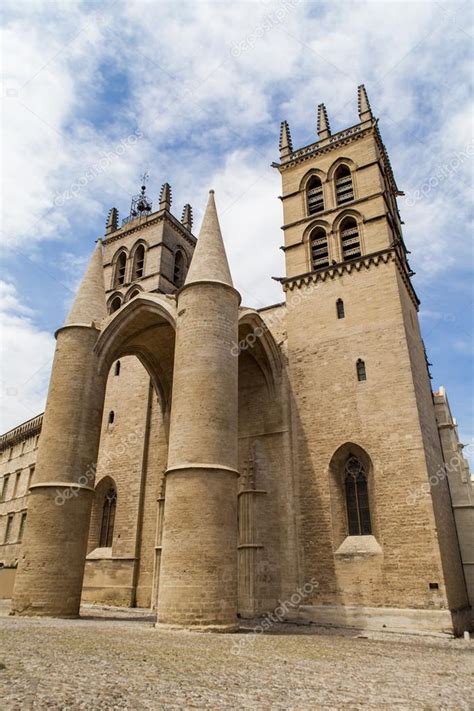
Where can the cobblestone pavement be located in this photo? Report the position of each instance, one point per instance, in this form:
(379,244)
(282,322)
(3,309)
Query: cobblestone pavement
(115,659)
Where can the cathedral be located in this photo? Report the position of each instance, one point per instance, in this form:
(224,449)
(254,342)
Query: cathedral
(215,462)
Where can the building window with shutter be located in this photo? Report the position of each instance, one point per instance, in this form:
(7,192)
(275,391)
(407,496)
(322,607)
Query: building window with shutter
(344,186)
(361,371)
(319,248)
(314,195)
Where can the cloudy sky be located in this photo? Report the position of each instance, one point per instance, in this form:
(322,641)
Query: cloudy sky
(96,93)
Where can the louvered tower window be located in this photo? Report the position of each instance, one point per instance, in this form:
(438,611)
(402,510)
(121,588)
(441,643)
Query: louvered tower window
(350,241)
(120,269)
(319,248)
(178,270)
(340,308)
(344,187)
(138,262)
(108,518)
(315,197)
(357,498)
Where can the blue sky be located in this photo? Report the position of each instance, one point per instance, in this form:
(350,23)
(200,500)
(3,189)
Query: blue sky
(98,92)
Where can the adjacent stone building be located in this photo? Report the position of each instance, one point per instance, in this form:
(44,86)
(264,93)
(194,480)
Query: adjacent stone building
(211,460)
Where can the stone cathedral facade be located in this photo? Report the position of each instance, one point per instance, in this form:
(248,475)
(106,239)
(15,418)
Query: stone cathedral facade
(214,461)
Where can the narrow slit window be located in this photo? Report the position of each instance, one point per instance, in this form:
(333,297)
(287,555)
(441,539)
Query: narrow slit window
(357,498)
(6,479)
(340,308)
(8,529)
(350,240)
(315,197)
(30,478)
(16,484)
(111,417)
(361,371)
(319,249)
(117,368)
(178,269)
(344,186)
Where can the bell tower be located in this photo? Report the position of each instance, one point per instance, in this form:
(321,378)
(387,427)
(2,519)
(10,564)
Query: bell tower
(363,407)
(339,196)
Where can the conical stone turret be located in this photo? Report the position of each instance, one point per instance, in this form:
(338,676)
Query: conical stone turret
(198,574)
(89,305)
(209,261)
(51,568)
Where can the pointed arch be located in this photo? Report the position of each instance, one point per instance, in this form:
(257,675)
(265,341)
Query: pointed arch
(103,514)
(138,256)
(349,238)
(135,290)
(114,303)
(343,184)
(351,474)
(119,268)
(319,246)
(144,327)
(256,338)
(342,160)
(307,177)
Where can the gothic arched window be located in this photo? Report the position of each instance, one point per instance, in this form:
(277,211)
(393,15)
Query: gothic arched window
(138,262)
(115,304)
(314,193)
(357,498)
(108,518)
(178,269)
(350,241)
(319,248)
(120,269)
(344,187)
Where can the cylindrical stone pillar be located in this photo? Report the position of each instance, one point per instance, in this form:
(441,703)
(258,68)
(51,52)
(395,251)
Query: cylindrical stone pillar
(51,566)
(198,576)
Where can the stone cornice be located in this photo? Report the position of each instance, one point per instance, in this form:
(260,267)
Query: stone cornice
(22,432)
(139,225)
(348,135)
(326,145)
(338,270)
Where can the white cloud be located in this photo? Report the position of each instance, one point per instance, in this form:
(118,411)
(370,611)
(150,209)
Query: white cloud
(25,360)
(210,116)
